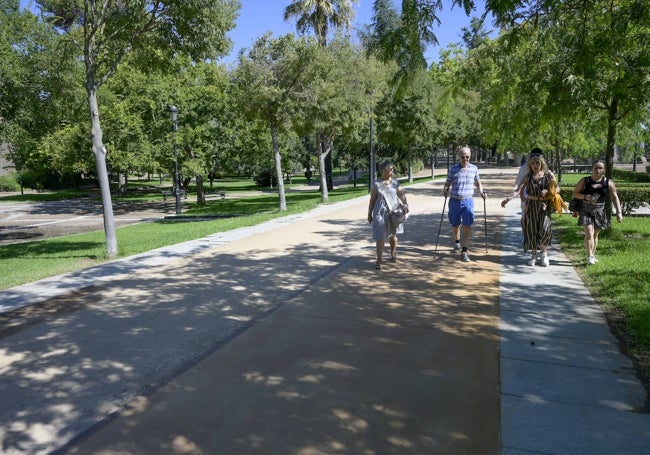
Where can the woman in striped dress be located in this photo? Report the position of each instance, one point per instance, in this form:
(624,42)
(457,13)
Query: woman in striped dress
(539,184)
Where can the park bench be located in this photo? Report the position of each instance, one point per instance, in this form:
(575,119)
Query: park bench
(582,168)
(220,193)
(170,193)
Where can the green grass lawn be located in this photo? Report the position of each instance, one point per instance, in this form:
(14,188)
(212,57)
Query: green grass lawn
(30,261)
(26,262)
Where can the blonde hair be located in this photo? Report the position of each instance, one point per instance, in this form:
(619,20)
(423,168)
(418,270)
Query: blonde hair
(542,163)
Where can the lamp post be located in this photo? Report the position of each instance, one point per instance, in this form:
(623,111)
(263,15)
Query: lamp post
(173,110)
(371,181)
(371,160)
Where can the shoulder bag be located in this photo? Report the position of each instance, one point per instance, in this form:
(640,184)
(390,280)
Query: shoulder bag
(576,204)
(396,214)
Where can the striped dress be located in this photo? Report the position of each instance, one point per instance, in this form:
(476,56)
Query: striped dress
(536,222)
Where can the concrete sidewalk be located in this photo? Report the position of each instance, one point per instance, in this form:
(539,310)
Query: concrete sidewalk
(565,386)
(282,338)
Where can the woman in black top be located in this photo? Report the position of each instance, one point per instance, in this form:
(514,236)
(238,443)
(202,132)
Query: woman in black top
(593,191)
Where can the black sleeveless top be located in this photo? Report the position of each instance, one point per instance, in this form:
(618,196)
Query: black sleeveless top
(595,188)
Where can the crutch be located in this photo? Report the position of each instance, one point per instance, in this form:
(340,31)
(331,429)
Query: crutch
(435,251)
(485,220)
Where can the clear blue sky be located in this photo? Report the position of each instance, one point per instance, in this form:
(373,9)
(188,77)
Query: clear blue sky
(259,16)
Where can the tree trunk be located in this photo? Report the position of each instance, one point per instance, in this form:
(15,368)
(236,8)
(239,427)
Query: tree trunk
(200,192)
(99,150)
(558,160)
(278,168)
(612,113)
(322,153)
(328,166)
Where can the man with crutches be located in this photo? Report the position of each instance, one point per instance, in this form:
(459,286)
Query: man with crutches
(459,187)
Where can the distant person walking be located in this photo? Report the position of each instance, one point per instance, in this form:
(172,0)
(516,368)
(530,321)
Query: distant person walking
(593,191)
(386,194)
(459,186)
(540,189)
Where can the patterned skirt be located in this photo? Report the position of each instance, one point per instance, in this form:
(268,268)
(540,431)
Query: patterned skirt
(594,214)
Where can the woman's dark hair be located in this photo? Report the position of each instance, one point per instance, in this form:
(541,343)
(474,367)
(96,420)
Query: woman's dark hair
(383,165)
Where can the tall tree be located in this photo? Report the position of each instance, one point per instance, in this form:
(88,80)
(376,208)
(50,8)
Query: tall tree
(37,89)
(341,98)
(605,63)
(404,39)
(273,77)
(202,90)
(601,60)
(319,15)
(475,34)
(592,64)
(407,122)
(107,30)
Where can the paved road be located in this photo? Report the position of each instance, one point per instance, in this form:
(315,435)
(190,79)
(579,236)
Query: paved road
(28,221)
(282,338)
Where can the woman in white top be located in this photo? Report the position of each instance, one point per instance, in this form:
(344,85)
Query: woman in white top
(386,194)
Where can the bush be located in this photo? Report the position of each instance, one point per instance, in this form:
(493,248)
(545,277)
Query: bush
(632,196)
(9,182)
(266,178)
(639,177)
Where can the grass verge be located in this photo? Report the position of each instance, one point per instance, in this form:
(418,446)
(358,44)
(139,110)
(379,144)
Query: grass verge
(31,261)
(619,281)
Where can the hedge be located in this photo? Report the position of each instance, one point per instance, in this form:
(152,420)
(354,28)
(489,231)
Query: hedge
(632,196)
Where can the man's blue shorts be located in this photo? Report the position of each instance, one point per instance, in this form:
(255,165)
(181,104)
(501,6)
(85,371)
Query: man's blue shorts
(461,211)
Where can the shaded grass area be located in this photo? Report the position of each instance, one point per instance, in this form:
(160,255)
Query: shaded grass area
(30,261)
(620,281)
(48,196)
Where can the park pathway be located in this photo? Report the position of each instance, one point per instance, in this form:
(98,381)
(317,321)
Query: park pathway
(283,339)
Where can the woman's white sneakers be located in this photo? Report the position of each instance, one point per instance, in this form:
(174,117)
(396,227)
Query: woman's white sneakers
(543,260)
(591,260)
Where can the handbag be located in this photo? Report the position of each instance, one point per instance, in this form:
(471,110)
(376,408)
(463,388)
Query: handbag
(575,205)
(397,215)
